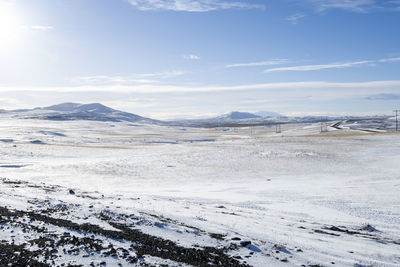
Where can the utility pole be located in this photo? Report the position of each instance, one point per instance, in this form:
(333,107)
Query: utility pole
(396,111)
(278,128)
(324,124)
(321,124)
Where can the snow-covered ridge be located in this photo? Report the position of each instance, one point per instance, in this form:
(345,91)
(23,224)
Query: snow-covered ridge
(76,111)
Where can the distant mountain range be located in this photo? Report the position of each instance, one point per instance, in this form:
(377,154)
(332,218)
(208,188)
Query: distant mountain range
(99,112)
(234,118)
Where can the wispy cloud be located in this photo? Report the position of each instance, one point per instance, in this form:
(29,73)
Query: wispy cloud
(332,65)
(356,5)
(191,57)
(161,75)
(353,5)
(150,88)
(259,63)
(383,97)
(393,59)
(37,28)
(139,78)
(294,19)
(103,79)
(191,5)
(319,67)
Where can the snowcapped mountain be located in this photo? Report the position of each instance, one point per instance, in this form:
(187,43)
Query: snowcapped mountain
(247,116)
(75,107)
(236,115)
(76,111)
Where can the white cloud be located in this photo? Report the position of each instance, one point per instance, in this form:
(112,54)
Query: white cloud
(149,88)
(191,5)
(191,56)
(383,97)
(102,79)
(356,5)
(161,75)
(393,59)
(294,19)
(260,63)
(332,66)
(139,78)
(37,28)
(318,67)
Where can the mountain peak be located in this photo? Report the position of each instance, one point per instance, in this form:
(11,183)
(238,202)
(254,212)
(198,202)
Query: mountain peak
(63,106)
(76,107)
(95,107)
(237,115)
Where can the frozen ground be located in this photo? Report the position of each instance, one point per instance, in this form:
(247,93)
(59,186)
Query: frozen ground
(81,192)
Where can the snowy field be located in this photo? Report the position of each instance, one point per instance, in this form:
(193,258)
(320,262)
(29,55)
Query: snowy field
(120,194)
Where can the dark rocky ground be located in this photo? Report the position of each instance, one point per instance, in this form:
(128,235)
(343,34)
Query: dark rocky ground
(49,236)
(49,244)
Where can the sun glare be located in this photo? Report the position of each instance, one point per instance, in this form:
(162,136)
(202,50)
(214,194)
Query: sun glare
(9,25)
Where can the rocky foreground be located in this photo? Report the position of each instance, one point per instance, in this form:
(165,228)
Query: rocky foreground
(58,233)
(63,234)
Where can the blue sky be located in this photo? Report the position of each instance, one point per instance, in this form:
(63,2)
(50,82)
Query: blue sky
(194,58)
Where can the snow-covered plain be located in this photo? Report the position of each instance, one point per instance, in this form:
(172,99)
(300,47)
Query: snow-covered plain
(300,197)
